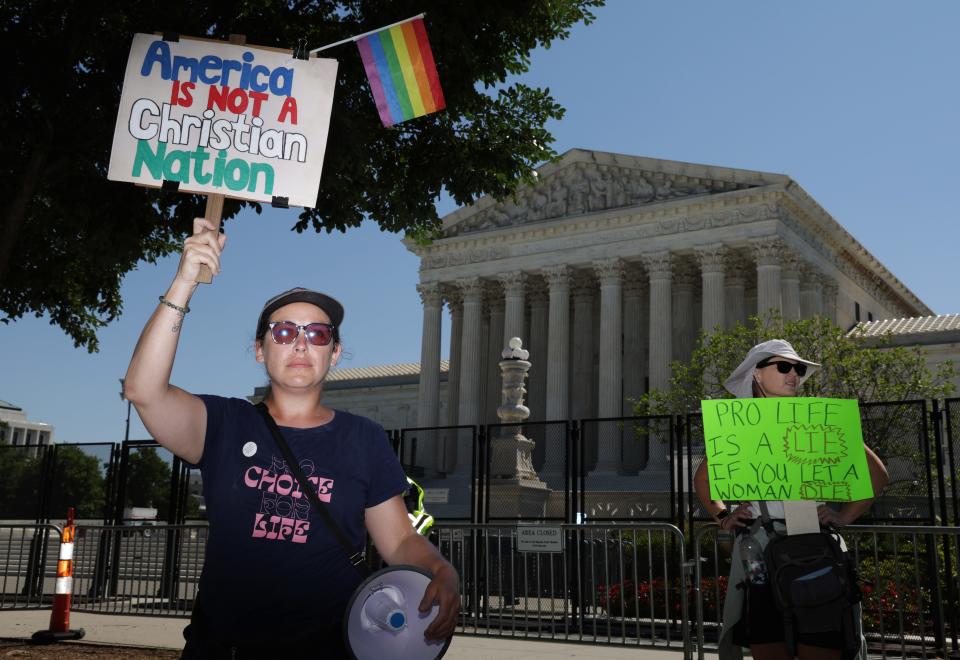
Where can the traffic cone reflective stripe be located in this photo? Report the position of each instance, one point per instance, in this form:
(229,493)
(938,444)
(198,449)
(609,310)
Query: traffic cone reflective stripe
(63,592)
(65,568)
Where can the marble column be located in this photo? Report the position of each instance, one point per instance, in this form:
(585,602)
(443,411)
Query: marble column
(558,370)
(768,253)
(635,328)
(539,315)
(537,377)
(811,293)
(790,287)
(735,289)
(470,368)
(635,333)
(659,267)
(712,260)
(830,292)
(495,344)
(685,281)
(610,402)
(513,289)
(485,373)
(428,394)
(455,304)
(583,289)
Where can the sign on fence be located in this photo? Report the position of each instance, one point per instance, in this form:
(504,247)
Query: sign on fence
(538,538)
(241,121)
(788,448)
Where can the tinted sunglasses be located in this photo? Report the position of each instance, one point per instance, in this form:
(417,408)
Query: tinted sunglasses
(784,367)
(286,332)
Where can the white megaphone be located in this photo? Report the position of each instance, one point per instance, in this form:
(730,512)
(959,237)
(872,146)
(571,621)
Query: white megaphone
(383,619)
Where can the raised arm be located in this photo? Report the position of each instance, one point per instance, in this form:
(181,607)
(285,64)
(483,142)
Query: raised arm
(174,417)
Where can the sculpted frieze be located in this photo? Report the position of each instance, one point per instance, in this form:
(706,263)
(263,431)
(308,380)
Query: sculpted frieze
(586,188)
(463,257)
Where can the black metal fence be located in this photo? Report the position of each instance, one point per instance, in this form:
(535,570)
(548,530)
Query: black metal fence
(640,469)
(616,584)
(625,469)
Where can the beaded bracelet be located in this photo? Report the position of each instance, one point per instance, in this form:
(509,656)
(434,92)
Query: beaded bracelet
(182,310)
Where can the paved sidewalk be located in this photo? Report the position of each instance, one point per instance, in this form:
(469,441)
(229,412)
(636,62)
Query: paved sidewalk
(159,632)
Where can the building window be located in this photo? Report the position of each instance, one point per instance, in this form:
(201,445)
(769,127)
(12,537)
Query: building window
(16,437)
(44,438)
(856,312)
(31,436)
(869,316)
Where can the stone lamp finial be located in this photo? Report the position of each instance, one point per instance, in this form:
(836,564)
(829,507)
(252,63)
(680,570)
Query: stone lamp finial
(514,350)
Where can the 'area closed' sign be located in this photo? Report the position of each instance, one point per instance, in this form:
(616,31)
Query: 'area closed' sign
(537,538)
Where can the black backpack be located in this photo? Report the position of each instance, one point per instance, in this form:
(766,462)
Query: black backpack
(814,584)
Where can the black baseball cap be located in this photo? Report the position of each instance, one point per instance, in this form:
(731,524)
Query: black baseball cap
(329,305)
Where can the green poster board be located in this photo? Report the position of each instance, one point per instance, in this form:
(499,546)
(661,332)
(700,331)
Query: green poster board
(785,448)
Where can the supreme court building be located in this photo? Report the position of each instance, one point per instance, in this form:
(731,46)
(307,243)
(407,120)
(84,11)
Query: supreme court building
(607,270)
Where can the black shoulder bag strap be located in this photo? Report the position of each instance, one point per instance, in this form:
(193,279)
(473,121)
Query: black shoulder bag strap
(357,558)
(767,522)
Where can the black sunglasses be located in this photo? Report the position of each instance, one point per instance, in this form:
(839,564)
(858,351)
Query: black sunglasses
(784,367)
(286,332)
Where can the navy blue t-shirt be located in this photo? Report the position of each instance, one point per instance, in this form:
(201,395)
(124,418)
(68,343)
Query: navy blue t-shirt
(273,571)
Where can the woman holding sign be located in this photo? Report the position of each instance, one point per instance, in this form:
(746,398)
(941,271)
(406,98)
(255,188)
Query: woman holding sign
(277,579)
(751,616)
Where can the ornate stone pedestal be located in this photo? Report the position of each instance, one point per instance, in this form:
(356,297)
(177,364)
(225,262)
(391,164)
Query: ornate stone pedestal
(515,489)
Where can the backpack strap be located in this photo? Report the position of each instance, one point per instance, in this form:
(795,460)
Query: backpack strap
(789,628)
(767,522)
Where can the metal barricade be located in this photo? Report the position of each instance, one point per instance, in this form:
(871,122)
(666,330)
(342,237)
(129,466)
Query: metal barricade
(28,559)
(616,584)
(152,570)
(908,607)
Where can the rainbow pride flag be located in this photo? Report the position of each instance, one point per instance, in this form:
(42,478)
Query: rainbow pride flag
(401,71)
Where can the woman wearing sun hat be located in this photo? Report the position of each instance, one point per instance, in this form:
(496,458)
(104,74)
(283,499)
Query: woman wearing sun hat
(771,369)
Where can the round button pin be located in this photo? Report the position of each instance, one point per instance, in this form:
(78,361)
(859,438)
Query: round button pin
(250,449)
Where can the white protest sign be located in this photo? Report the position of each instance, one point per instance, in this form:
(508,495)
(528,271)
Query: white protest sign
(219,118)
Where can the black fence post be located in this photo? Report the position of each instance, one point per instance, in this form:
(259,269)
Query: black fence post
(121,496)
(33,580)
(478,476)
(101,570)
(676,474)
(936,420)
(948,412)
(170,573)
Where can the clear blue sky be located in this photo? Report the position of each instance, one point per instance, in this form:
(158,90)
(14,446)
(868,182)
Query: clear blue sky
(857,101)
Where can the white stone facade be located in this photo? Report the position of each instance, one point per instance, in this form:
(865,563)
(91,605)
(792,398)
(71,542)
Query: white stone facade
(17,430)
(609,268)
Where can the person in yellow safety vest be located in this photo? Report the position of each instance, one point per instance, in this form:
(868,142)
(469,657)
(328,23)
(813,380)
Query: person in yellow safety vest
(419,518)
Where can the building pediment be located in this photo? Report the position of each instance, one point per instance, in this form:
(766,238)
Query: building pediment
(584,182)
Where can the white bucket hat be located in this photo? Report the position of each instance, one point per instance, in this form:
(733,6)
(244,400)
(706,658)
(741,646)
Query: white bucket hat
(740,382)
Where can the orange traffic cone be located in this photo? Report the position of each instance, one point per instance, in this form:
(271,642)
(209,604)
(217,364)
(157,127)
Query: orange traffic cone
(60,615)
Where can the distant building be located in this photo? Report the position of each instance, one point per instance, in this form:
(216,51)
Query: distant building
(938,336)
(17,430)
(385,393)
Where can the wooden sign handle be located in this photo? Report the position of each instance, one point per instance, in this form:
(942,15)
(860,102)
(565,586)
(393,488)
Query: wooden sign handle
(214,210)
(213,214)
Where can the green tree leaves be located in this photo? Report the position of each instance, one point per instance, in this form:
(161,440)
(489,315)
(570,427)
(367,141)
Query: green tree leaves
(68,236)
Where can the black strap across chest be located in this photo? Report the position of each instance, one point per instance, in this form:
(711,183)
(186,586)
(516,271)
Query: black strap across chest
(357,558)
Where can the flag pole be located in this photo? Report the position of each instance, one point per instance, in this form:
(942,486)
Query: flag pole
(361,36)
